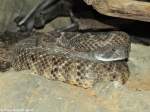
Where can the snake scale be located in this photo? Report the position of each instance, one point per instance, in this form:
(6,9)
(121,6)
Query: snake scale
(81,59)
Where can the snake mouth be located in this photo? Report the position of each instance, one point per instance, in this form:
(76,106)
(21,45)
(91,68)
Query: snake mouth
(116,55)
(101,58)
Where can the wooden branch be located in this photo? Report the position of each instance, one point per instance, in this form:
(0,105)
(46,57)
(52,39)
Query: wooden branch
(130,9)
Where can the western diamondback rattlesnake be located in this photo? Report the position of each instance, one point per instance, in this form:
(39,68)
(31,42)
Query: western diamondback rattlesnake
(77,58)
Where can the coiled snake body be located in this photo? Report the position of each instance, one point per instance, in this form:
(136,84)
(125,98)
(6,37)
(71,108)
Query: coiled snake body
(80,59)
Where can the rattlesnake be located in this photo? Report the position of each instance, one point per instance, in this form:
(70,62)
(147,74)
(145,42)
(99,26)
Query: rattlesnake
(80,59)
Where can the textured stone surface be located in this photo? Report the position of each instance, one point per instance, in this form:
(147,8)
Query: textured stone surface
(139,64)
(9,9)
(22,90)
(130,9)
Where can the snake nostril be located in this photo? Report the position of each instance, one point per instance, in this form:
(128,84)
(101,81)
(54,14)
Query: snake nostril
(114,76)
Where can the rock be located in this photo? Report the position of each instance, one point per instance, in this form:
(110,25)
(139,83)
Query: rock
(22,90)
(10,9)
(21,8)
(130,9)
(84,24)
(139,65)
